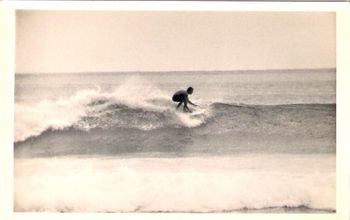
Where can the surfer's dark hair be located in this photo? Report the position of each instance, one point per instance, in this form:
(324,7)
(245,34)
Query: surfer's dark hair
(189,89)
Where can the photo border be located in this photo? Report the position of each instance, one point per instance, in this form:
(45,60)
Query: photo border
(7,70)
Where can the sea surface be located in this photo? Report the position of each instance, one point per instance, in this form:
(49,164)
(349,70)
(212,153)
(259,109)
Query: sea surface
(259,141)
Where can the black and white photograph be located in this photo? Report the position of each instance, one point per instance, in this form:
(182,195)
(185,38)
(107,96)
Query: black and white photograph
(175,112)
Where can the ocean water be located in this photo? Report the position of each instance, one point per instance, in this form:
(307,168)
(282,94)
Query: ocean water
(114,142)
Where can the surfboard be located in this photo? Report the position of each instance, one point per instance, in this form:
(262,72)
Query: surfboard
(198,113)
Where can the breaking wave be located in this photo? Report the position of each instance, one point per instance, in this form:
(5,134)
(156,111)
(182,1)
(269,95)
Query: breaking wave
(128,106)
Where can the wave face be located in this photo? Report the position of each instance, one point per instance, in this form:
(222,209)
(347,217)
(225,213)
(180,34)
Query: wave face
(92,121)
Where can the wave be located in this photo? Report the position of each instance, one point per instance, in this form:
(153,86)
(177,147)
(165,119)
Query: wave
(130,105)
(227,129)
(137,117)
(91,109)
(88,110)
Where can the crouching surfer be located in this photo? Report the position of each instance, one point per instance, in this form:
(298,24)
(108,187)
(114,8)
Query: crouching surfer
(182,97)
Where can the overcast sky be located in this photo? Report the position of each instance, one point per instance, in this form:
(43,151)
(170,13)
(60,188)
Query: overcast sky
(78,41)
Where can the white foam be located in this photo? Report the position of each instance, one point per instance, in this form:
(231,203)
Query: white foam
(195,119)
(32,119)
(175,184)
(135,91)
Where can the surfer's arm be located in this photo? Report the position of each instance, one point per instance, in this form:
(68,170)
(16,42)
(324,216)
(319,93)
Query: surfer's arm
(188,100)
(191,103)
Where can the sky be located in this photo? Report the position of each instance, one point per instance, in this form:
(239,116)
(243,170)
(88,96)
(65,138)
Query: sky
(100,41)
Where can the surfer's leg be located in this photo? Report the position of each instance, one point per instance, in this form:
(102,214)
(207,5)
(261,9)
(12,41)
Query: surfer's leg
(185,106)
(179,105)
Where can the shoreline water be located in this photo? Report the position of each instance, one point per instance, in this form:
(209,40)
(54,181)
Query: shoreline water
(237,183)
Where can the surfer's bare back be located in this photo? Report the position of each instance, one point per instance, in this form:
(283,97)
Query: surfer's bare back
(181,96)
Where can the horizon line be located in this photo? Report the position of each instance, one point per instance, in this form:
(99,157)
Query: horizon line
(179,71)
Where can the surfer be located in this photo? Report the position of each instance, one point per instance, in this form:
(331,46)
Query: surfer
(181,96)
